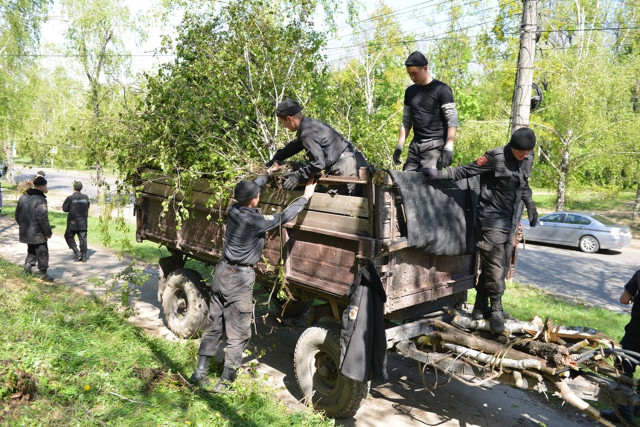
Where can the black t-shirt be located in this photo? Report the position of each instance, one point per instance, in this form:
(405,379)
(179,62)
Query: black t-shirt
(632,287)
(425,102)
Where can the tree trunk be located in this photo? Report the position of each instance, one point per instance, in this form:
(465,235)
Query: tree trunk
(636,205)
(562,179)
(7,147)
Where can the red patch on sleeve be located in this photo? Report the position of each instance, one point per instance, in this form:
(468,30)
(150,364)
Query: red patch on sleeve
(481,160)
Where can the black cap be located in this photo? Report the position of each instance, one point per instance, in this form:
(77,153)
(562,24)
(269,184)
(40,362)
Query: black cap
(246,190)
(523,139)
(288,107)
(41,173)
(416,59)
(77,185)
(39,181)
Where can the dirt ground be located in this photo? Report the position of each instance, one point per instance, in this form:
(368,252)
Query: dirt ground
(402,400)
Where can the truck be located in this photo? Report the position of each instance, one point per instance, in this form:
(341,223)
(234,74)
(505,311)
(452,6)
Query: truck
(315,258)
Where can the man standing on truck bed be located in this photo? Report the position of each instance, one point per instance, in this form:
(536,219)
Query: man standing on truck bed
(326,149)
(430,110)
(231,303)
(504,184)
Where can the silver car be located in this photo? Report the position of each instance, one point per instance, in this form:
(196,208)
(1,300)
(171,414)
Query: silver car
(588,231)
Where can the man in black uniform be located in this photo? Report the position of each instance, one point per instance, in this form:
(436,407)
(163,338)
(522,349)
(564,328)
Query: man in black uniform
(32,217)
(326,149)
(77,205)
(232,288)
(630,341)
(428,108)
(504,185)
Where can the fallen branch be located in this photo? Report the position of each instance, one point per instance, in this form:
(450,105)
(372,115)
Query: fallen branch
(130,400)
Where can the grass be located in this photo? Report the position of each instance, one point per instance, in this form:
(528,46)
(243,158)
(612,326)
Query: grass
(525,301)
(66,359)
(121,238)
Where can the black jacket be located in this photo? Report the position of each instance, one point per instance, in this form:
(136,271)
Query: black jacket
(77,205)
(33,217)
(322,143)
(363,342)
(504,184)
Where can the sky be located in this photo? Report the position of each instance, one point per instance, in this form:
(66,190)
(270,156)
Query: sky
(412,15)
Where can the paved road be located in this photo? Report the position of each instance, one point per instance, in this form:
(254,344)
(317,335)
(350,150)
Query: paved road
(62,181)
(596,279)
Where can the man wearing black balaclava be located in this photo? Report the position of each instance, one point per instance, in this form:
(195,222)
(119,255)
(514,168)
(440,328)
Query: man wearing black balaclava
(504,185)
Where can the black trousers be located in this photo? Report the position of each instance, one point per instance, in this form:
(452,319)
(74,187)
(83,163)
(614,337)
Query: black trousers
(631,341)
(423,154)
(69,236)
(346,166)
(496,248)
(230,312)
(38,253)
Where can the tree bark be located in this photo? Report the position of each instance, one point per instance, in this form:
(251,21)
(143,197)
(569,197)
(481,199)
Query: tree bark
(636,205)
(562,178)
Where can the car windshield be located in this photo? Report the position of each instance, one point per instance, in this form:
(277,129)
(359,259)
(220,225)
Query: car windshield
(605,220)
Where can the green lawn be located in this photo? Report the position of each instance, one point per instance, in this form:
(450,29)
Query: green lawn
(67,359)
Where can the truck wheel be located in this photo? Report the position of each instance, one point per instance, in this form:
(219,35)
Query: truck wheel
(185,302)
(317,362)
(294,308)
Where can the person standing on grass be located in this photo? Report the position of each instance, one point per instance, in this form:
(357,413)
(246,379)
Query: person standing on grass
(630,341)
(77,207)
(231,304)
(32,217)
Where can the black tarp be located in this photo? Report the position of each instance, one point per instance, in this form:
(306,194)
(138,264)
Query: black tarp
(440,215)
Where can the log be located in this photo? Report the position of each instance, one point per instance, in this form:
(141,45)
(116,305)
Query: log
(453,335)
(487,358)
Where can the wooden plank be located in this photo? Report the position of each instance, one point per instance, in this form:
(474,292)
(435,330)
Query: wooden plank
(166,191)
(321,202)
(331,223)
(199,185)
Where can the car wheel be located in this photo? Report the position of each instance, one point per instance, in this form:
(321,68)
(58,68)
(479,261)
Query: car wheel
(589,244)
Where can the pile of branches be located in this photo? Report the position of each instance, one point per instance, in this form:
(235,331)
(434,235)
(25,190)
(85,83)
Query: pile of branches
(537,355)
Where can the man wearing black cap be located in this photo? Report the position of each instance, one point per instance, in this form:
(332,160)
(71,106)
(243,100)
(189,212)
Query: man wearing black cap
(326,149)
(430,110)
(32,217)
(77,206)
(504,184)
(231,305)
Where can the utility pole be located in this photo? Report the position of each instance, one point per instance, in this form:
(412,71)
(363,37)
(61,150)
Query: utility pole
(521,105)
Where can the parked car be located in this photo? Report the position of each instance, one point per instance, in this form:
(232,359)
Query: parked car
(588,231)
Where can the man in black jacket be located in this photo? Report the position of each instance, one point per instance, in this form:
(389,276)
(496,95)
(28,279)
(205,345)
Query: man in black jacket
(231,303)
(32,217)
(77,205)
(326,149)
(504,185)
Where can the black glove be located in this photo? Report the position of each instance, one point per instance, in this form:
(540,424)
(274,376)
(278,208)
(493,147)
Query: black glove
(533,215)
(447,158)
(292,180)
(396,154)
(431,174)
(269,163)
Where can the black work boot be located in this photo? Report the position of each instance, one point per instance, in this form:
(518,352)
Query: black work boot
(83,257)
(200,376)
(626,412)
(28,269)
(481,306)
(496,321)
(44,276)
(76,253)
(228,376)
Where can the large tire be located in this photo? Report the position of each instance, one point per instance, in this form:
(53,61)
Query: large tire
(185,303)
(295,308)
(317,363)
(589,244)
